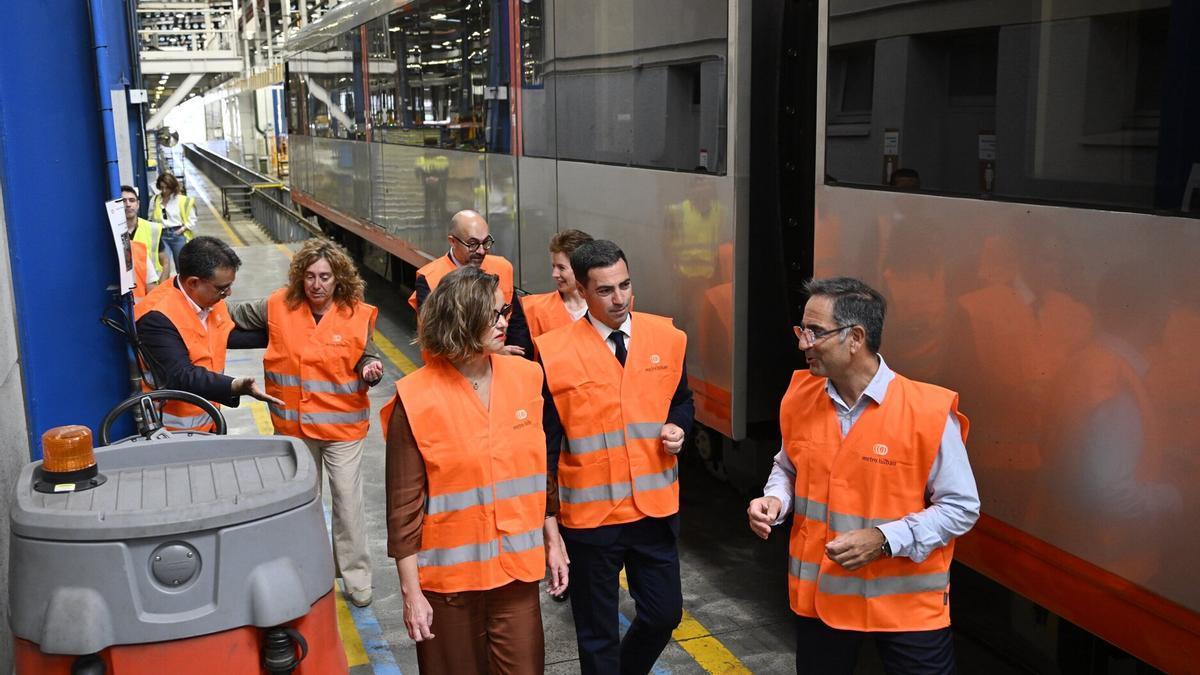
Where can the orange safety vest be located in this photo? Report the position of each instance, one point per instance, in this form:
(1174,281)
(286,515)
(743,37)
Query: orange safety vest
(206,344)
(138,250)
(310,367)
(544,312)
(492,264)
(614,469)
(485,474)
(875,475)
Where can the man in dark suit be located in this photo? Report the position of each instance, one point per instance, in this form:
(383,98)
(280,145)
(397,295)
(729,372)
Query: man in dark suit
(616,391)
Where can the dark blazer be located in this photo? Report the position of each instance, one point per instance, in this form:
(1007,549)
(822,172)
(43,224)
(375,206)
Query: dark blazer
(165,347)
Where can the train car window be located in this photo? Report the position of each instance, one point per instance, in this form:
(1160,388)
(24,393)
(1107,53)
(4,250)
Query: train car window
(332,75)
(626,82)
(434,77)
(296,93)
(1091,104)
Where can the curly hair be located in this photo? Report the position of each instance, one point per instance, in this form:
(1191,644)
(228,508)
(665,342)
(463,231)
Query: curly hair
(457,313)
(348,285)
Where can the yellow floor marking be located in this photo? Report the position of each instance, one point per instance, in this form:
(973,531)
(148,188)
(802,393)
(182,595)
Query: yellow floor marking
(262,418)
(356,655)
(237,241)
(706,650)
(286,251)
(393,354)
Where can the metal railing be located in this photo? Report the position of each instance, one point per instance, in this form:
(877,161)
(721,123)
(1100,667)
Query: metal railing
(258,196)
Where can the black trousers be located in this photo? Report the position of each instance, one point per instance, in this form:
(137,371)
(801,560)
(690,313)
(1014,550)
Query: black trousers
(647,550)
(822,650)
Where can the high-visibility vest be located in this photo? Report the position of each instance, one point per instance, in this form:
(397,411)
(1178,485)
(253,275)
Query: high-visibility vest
(485,474)
(206,344)
(150,234)
(614,469)
(187,207)
(310,367)
(544,312)
(492,264)
(138,250)
(875,475)
(695,240)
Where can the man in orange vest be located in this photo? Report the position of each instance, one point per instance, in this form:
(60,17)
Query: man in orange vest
(874,466)
(616,390)
(185,329)
(470,241)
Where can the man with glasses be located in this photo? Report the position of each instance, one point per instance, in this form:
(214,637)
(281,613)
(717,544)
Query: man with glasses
(185,329)
(470,243)
(882,491)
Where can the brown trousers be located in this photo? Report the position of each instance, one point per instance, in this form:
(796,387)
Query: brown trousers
(496,632)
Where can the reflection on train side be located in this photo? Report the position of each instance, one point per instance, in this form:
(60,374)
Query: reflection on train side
(1067,334)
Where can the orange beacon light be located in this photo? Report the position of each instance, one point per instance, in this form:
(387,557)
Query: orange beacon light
(68,463)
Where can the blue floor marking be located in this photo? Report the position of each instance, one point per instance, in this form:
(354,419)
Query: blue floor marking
(657,669)
(383,662)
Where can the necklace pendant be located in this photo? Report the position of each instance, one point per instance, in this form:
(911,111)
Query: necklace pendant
(475,386)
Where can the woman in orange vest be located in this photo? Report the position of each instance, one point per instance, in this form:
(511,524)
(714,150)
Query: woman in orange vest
(320,361)
(547,311)
(469,502)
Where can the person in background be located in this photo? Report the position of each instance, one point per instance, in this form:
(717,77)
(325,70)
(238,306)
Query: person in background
(185,329)
(547,311)
(320,362)
(470,242)
(175,212)
(883,489)
(617,393)
(146,243)
(470,505)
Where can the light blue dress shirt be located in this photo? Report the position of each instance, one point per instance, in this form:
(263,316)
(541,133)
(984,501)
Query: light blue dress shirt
(950,491)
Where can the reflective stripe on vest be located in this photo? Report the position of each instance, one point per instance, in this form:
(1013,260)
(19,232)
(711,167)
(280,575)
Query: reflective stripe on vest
(433,272)
(615,469)
(515,543)
(847,487)
(485,493)
(311,368)
(206,344)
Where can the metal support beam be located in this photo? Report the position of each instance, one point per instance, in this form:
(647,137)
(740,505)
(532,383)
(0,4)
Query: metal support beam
(176,96)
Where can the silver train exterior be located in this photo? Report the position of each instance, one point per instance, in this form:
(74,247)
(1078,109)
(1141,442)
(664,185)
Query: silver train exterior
(374,187)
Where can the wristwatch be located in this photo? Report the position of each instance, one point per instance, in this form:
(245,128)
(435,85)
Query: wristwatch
(886,548)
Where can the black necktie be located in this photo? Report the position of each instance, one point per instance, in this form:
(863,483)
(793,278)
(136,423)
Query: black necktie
(617,338)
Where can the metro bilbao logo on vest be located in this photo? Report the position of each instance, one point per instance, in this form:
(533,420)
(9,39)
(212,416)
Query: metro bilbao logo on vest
(523,419)
(656,363)
(881,450)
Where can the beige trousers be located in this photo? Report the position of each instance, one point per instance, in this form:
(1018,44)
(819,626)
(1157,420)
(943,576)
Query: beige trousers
(343,459)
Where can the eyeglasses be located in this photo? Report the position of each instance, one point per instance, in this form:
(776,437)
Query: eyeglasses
(505,311)
(810,337)
(222,291)
(473,245)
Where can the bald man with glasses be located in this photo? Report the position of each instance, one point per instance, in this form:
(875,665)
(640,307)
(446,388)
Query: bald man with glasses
(470,244)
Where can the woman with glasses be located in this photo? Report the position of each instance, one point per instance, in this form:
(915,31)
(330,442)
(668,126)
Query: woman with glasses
(320,362)
(175,212)
(469,502)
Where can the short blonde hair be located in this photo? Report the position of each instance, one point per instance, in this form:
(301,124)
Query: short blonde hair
(348,285)
(457,313)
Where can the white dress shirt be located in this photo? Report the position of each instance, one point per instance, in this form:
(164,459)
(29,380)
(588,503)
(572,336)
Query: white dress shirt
(200,312)
(950,490)
(626,329)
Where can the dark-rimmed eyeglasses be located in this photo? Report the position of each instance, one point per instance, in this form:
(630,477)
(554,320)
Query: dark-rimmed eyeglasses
(505,311)
(473,245)
(808,336)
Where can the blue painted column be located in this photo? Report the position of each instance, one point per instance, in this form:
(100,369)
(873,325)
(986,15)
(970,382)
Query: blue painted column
(52,165)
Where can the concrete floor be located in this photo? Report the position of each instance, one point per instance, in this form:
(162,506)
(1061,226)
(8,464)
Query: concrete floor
(734,585)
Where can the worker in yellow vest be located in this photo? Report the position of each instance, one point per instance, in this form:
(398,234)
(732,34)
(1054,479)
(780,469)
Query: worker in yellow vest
(874,467)
(320,362)
(470,504)
(185,329)
(175,212)
(616,388)
(145,242)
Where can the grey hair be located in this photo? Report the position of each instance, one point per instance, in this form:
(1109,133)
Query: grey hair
(854,303)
